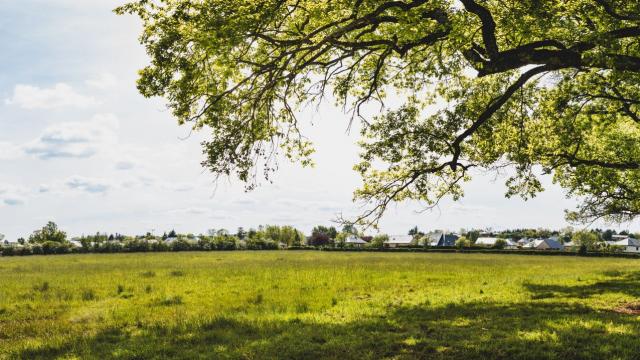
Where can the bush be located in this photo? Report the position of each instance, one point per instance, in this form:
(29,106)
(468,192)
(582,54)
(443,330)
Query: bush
(137,246)
(319,239)
(180,245)
(36,249)
(500,244)
(588,239)
(160,246)
(8,251)
(261,244)
(378,241)
(583,249)
(24,251)
(463,242)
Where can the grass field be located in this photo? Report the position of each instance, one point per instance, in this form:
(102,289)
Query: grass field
(310,305)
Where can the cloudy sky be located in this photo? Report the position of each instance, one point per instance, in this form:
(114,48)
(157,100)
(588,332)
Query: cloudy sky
(79,146)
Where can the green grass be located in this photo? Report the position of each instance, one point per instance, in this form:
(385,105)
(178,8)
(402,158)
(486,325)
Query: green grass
(311,305)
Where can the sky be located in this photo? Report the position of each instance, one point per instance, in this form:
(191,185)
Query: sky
(80,146)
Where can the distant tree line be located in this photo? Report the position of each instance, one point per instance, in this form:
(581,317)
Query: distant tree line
(51,240)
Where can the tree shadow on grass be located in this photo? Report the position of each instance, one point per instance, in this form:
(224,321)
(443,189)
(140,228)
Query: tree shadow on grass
(618,282)
(476,330)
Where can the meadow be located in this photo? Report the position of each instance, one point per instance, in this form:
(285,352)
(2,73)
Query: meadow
(313,305)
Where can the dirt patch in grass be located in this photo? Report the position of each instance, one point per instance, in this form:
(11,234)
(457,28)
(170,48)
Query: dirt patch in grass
(632,308)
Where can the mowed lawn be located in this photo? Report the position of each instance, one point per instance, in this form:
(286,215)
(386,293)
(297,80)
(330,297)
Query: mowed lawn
(313,305)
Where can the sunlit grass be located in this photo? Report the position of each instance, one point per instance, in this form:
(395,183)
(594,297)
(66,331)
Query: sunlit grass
(317,305)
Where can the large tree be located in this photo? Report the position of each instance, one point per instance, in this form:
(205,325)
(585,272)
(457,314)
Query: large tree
(537,86)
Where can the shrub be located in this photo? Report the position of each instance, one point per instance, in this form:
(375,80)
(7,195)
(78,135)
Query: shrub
(500,244)
(36,249)
(319,239)
(8,251)
(22,251)
(261,244)
(137,246)
(180,245)
(52,247)
(463,242)
(588,239)
(378,241)
(583,249)
(160,246)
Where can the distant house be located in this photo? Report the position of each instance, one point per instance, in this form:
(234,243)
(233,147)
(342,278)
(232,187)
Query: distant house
(545,244)
(75,242)
(440,238)
(171,240)
(523,242)
(617,237)
(627,244)
(12,243)
(491,242)
(355,241)
(400,241)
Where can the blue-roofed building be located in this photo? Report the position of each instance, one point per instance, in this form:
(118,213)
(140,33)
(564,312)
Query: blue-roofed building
(439,238)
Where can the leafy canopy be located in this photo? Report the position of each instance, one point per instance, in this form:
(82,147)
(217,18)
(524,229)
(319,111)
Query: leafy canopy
(519,84)
(48,233)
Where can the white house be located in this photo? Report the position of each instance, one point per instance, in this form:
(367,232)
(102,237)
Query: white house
(616,237)
(491,242)
(12,243)
(523,242)
(627,244)
(354,240)
(75,242)
(545,244)
(440,238)
(399,241)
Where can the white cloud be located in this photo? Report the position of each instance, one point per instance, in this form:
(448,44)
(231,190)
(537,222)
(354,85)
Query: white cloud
(13,201)
(60,95)
(192,211)
(179,187)
(12,195)
(202,212)
(87,184)
(461,208)
(126,164)
(75,139)
(9,151)
(103,81)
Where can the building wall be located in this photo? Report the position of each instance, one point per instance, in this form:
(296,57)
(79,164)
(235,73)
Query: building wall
(632,249)
(543,246)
